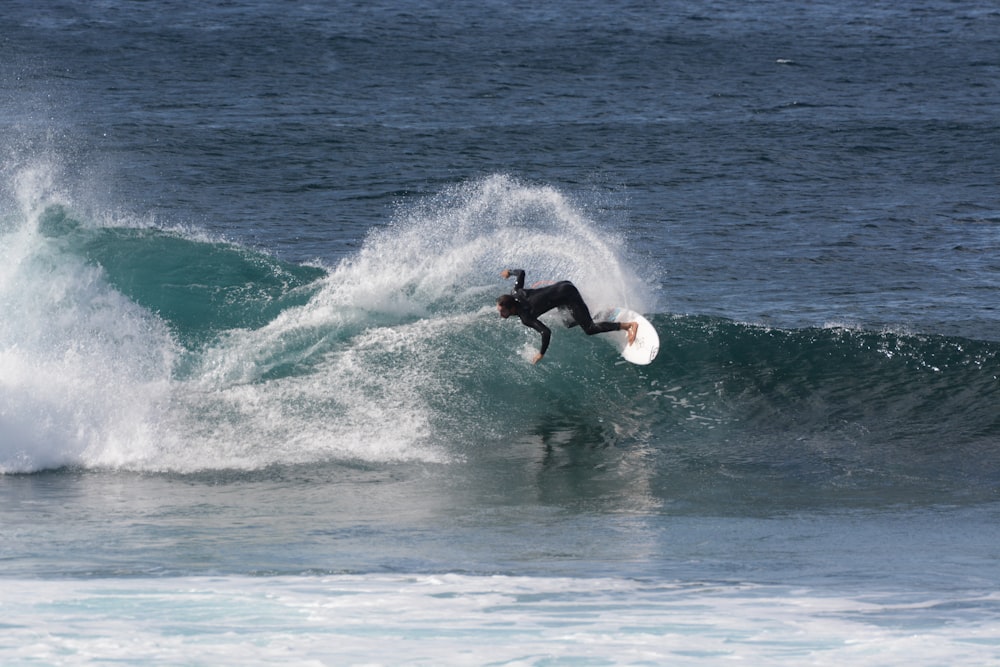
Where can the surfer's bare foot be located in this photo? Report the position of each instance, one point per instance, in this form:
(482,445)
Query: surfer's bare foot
(633,329)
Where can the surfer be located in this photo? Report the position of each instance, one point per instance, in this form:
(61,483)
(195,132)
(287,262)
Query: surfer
(530,304)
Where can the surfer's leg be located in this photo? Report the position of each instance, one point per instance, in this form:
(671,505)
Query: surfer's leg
(602,327)
(632,328)
(574,303)
(581,314)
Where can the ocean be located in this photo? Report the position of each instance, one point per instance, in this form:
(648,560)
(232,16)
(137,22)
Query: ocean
(257,405)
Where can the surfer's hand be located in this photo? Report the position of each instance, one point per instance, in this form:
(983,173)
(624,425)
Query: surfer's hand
(505,274)
(538,357)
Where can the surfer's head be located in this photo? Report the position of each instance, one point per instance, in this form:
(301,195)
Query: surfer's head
(506,306)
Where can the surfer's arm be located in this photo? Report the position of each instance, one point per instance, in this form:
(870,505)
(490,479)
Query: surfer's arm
(517,273)
(546,336)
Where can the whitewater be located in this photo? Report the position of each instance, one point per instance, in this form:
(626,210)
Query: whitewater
(247,361)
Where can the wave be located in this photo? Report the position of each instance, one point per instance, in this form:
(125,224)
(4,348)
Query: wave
(151,349)
(147,349)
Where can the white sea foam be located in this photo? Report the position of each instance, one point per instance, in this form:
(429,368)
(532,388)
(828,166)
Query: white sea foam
(453,619)
(84,372)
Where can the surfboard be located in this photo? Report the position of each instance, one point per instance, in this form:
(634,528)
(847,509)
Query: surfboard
(647,342)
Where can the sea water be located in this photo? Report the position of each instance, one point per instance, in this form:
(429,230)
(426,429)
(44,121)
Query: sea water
(256,404)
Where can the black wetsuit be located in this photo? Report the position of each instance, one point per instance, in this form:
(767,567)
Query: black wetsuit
(533,303)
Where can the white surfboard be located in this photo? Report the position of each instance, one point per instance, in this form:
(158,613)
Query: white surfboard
(643,349)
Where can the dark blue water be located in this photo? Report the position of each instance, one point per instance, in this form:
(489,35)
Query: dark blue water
(250,252)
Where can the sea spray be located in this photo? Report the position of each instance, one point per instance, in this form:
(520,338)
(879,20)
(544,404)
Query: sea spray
(84,372)
(395,354)
(465,235)
(153,349)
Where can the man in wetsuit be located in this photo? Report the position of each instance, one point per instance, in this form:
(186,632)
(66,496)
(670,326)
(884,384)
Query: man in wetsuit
(530,304)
